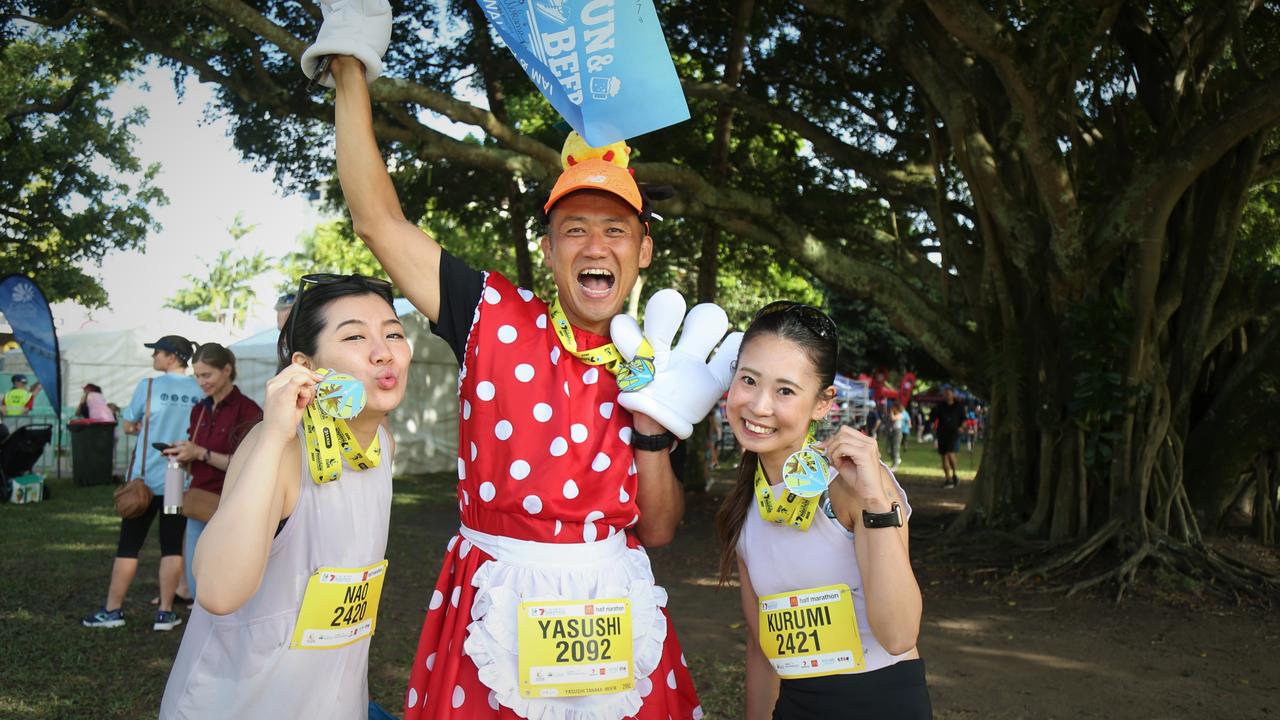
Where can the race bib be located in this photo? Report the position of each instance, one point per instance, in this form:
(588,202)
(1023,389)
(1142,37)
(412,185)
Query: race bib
(340,607)
(573,648)
(810,633)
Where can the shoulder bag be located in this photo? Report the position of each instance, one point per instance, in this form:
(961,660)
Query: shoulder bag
(134,497)
(198,503)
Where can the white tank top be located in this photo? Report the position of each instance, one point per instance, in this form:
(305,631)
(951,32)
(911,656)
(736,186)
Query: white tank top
(240,666)
(775,559)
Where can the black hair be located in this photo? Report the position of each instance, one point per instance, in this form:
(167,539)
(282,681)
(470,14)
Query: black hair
(217,356)
(815,333)
(306,318)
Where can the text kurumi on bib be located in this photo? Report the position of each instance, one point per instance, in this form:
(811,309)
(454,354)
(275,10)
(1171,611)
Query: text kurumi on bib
(811,632)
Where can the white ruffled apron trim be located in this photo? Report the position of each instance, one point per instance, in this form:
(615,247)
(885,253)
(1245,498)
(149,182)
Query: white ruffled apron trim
(526,570)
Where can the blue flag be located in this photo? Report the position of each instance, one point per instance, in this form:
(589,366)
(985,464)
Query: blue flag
(26,310)
(603,64)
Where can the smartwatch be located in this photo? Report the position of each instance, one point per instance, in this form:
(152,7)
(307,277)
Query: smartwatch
(652,443)
(893,518)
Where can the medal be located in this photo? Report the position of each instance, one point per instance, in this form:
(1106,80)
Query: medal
(329,440)
(806,473)
(340,396)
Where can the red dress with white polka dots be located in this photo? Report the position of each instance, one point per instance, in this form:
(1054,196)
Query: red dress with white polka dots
(543,455)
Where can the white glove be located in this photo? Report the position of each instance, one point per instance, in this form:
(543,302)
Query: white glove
(360,28)
(684,386)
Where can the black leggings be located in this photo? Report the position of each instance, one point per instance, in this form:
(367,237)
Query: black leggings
(133,532)
(896,692)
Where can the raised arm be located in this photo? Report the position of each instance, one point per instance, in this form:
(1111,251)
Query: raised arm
(409,255)
(260,490)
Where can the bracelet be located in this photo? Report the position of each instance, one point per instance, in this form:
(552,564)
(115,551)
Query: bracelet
(207,454)
(652,443)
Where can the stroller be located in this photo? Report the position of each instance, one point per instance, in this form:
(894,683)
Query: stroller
(19,453)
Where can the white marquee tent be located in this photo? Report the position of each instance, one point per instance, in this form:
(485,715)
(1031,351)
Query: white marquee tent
(111,355)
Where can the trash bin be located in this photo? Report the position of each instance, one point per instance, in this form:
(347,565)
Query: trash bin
(92,447)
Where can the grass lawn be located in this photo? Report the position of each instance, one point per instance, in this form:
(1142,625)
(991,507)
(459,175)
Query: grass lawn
(56,565)
(58,560)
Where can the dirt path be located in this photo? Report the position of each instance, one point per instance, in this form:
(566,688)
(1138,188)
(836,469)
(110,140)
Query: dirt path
(991,652)
(996,653)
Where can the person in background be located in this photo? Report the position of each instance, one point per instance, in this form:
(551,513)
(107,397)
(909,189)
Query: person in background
(218,423)
(905,425)
(161,418)
(895,433)
(283,305)
(93,406)
(949,415)
(19,400)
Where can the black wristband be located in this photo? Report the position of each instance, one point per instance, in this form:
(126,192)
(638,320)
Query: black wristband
(893,518)
(652,443)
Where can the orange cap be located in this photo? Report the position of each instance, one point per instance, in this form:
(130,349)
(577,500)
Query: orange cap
(597,174)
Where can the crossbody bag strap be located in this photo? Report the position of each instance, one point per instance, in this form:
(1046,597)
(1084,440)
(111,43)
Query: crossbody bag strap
(146,429)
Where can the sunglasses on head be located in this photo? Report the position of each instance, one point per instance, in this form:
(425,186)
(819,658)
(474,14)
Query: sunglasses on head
(374,284)
(813,319)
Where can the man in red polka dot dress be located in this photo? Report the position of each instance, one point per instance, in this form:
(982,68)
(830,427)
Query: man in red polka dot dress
(559,487)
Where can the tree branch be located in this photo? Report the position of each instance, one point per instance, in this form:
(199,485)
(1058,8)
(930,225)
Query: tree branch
(55,107)
(393,90)
(1142,210)
(1036,134)
(910,176)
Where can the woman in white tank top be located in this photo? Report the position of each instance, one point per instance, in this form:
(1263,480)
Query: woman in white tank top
(290,568)
(831,603)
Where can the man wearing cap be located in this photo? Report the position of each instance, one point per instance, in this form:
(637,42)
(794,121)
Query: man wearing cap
(158,413)
(559,487)
(283,305)
(19,400)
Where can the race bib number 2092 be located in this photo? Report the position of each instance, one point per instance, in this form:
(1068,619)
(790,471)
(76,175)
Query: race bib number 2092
(573,648)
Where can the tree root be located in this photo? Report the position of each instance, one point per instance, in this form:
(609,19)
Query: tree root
(1220,573)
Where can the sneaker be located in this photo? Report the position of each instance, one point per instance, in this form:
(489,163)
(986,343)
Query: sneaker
(104,619)
(166,620)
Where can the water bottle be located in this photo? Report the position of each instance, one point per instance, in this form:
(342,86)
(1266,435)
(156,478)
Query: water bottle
(174,482)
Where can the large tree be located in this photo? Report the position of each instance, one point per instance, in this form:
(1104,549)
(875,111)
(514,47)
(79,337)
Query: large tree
(1047,197)
(71,189)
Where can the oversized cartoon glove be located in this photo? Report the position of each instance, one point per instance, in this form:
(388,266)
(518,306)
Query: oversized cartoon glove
(677,387)
(360,28)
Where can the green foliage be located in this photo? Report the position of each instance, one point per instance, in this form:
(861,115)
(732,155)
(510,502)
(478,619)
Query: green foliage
(71,189)
(224,294)
(330,246)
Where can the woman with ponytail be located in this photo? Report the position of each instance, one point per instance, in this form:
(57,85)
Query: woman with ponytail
(157,415)
(817,532)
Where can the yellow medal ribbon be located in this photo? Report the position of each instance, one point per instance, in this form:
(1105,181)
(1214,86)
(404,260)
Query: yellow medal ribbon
(790,509)
(794,509)
(606,355)
(631,375)
(330,441)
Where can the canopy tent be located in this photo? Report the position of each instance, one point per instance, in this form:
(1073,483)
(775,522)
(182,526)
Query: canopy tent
(110,354)
(425,426)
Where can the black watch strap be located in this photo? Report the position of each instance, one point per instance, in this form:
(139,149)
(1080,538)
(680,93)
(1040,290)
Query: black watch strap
(893,518)
(652,443)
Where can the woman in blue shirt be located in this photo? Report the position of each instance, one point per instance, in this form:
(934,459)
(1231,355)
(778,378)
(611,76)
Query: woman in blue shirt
(163,418)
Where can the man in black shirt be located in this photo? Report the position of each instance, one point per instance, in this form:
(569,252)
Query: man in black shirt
(949,415)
